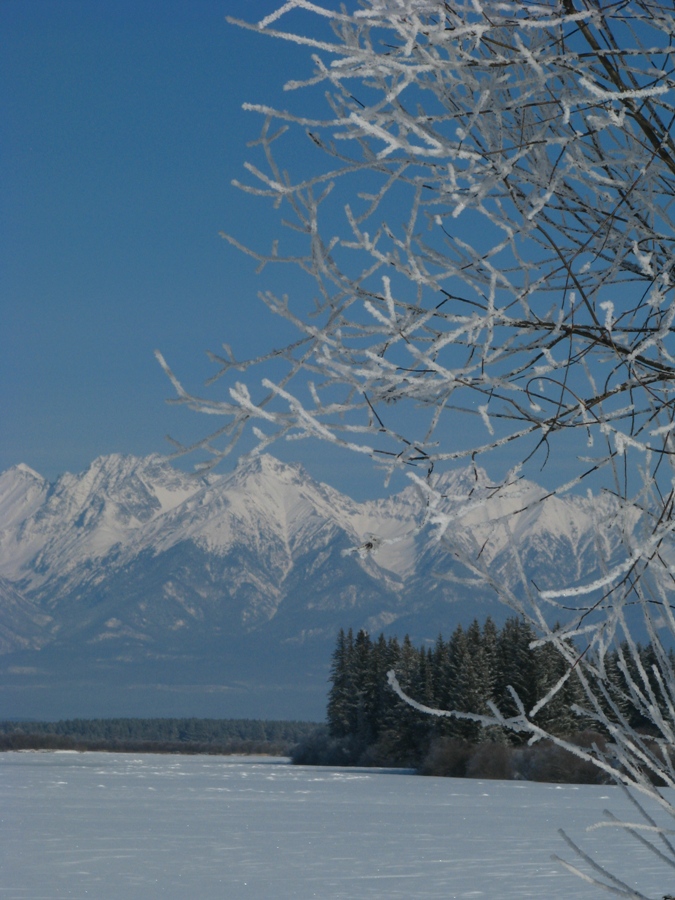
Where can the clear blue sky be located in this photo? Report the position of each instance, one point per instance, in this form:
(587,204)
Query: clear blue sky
(121,130)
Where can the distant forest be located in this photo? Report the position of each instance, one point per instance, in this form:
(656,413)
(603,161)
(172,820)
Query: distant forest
(215,736)
(369,725)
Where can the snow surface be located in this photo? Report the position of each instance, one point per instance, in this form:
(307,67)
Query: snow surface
(98,825)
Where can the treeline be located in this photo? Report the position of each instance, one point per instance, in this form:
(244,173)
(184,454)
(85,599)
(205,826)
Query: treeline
(368,724)
(214,736)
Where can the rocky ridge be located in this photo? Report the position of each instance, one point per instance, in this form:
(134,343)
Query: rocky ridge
(133,562)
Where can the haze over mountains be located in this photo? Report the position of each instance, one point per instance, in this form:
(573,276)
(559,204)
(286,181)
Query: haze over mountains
(135,589)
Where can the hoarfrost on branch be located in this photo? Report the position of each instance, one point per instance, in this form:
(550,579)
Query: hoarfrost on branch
(486,228)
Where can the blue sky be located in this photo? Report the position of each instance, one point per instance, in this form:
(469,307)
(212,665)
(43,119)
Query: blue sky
(121,131)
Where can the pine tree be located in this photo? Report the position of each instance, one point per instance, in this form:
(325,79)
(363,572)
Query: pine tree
(391,710)
(516,670)
(366,690)
(466,668)
(383,697)
(341,695)
(619,705)
(478,677)
(490,664)
(556,716)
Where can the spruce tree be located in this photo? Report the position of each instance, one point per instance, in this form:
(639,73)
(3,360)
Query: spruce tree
(342,692)
(465,696)
(516,669)
(556,716)
(366,690)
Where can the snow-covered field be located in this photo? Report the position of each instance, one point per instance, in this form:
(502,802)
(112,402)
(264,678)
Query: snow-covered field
(95,825)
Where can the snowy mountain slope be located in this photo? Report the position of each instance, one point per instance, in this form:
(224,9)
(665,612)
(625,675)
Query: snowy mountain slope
(163,550)
(263,528)
(22,624)
(49,528)
(132,562)
(553,538)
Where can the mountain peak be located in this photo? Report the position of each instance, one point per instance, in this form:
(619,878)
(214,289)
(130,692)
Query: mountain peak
(122,464)
(23,469)
(268,465)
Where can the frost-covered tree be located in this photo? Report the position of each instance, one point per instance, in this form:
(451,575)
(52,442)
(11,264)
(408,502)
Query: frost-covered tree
(486,221)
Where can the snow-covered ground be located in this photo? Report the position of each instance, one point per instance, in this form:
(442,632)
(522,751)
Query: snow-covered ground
(101,826)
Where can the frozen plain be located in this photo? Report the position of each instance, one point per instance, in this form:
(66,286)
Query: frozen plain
(117,826)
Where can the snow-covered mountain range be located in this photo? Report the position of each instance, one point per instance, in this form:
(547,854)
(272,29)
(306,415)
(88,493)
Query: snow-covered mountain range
(132,581)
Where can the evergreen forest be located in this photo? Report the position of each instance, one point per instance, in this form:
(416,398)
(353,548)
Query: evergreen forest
(136,735)
(369,725)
